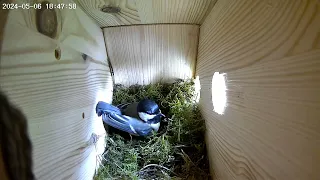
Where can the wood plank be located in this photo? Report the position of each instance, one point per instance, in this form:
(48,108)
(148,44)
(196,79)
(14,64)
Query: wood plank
(75,30)
(173,11)
(82,34)
(128,14)
(58,96)
(269,53)
(148,11)
(149,53)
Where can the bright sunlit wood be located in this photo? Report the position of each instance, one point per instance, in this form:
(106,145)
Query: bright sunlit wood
(57,96)
(269,52)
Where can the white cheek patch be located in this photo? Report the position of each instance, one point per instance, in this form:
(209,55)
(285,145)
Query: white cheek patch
(145,117)
(155,126)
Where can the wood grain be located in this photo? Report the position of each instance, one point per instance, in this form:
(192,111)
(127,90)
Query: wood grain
(54,94)
(150,53)
(148,11)
(128,14)
(269,52)
(75,30)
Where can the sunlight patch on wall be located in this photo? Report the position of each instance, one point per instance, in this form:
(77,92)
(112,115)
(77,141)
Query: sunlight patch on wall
(219,95)
(197,88)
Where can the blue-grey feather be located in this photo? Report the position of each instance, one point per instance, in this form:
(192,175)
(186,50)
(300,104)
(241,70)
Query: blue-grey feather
(123,123)
(103,107)
(114,121)
(125,117)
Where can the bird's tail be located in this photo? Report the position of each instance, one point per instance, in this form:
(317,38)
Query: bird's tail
(106,108)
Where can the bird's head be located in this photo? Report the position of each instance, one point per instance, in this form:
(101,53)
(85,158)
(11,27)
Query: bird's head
(148,109)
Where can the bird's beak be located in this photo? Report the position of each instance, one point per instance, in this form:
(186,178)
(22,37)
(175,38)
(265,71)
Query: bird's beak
(162,115)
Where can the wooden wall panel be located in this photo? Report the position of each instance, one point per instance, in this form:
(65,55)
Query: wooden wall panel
(150,53)
(269,52)
(148,11)
(57,96)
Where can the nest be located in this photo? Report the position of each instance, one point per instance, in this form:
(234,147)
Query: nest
(177,151)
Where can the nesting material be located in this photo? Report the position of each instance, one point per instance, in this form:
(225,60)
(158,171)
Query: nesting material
(177,151)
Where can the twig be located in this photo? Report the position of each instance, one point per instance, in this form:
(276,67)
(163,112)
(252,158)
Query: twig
(180,146)
(166,174)
(159,166)
(185,154)
(179,127)
(192,161)
(104,159)
(172,117)
(130,139)
(199,159)
(105,152)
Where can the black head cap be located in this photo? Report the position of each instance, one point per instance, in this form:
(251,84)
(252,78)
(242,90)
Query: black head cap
(148,106)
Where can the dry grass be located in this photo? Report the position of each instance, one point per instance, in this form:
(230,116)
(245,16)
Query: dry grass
(177,151)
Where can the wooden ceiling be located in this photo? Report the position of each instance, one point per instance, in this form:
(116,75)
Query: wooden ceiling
(148,11)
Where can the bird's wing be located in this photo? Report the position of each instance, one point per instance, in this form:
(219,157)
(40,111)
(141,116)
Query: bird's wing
(131,110)
(142,128)
(103,107)
(127,124)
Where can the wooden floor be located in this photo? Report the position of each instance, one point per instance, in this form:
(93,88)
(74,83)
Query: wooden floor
(58,96)
(269,52)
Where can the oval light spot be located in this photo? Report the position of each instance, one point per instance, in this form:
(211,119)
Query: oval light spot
(219,94)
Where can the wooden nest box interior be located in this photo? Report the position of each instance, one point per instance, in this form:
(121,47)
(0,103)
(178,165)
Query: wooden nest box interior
(257,62)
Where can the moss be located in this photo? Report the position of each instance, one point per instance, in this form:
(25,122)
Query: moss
(177,151)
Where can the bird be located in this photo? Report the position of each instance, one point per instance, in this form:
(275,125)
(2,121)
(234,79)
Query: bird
(138,118)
